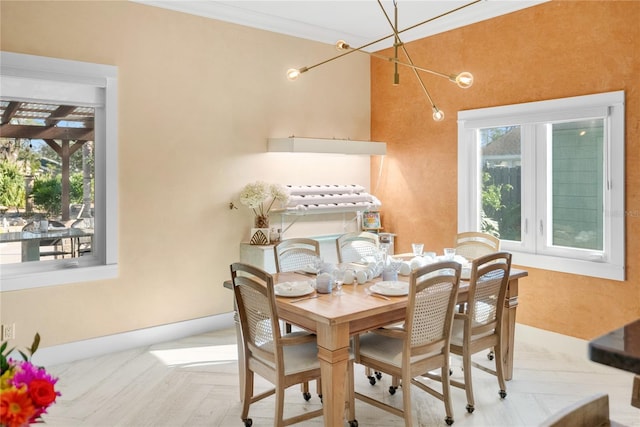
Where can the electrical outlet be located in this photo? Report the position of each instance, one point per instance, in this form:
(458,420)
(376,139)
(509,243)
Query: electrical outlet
(9,331)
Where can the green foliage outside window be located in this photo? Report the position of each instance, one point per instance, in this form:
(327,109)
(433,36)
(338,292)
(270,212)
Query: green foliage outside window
(47,192)
(11,185)
(492,206)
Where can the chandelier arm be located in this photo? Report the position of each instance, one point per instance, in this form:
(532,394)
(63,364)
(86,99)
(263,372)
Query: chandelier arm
(391,35)
(426,92)
(325,61)
(397,42)
(439,16)
(400,43)
(397,61)
(415,71)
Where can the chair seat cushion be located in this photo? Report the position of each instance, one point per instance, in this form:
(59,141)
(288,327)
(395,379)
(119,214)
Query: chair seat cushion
(457,333)
(297,358)
(386,349)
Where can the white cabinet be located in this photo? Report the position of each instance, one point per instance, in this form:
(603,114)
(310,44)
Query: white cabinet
(260,256)
(263,257)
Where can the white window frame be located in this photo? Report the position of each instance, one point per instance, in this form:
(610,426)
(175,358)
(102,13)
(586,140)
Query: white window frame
(36,78)
(533,118)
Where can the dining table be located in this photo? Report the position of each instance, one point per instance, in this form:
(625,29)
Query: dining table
(31,239)
(336,318)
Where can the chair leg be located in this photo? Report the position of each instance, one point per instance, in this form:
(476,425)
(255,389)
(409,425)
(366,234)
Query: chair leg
(248,394)
(468,385)
(304,387)
(395,382)
(279,405)
(406,400)
(350,393)
(369,373)
(500,370)
(446,395)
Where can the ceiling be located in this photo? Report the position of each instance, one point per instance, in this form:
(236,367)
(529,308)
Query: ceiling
(358,22)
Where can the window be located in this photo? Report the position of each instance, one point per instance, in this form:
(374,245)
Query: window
(548,179)
(63,96)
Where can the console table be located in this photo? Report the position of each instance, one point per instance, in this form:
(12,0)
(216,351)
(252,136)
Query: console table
(620,349)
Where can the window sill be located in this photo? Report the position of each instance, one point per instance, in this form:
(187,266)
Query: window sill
(601,270)
(65,274)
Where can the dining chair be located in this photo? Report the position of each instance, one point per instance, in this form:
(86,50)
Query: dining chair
(590,411)
(352,247)
(472,244)
(480,326)
(293,255)
(422,344)
(83,243)
(57,247)
(283,360)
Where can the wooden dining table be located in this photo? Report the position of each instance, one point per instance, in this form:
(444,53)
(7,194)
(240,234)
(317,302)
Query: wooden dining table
(336,318)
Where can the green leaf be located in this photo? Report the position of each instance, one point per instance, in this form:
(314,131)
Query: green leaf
(24,356)
(36,343)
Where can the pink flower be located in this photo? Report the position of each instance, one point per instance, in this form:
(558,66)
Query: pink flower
(38,382)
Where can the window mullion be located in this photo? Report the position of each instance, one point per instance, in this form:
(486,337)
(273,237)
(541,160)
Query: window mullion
(543,185)
(529,216)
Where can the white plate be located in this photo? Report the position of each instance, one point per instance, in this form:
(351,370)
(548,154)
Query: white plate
(308,269)
(293,289)
(390,288)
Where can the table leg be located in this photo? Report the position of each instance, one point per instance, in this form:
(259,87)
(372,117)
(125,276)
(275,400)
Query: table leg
(30,250)
(509,327)
(333,352)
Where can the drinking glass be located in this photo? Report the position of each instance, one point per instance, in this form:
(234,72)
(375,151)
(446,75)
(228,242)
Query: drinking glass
(338,278)
(417,248)
(317,263)
(449,253)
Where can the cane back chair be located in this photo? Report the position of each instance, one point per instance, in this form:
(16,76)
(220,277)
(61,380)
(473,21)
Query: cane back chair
(421,344)
(283,360)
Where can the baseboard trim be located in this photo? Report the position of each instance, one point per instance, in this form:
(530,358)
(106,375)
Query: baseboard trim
(65,353)
(551,341)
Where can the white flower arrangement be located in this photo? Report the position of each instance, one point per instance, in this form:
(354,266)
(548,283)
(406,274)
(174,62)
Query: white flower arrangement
(260,196)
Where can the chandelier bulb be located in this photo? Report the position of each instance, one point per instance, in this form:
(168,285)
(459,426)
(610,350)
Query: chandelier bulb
(464,79)
(438,115)
(342,45)
(293,73)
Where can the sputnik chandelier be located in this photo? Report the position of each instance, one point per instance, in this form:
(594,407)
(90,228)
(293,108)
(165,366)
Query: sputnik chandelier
(463,79)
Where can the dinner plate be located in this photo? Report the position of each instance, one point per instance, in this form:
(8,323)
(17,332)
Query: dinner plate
(293,289)
(308,269)
(390,288)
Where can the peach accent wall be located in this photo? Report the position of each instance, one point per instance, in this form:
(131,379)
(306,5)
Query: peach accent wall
(554,50)
(198,99)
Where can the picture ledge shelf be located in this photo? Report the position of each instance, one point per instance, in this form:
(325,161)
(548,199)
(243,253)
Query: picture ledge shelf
(296,144)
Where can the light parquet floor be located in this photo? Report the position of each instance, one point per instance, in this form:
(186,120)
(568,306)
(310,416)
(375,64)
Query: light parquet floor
(194,382)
